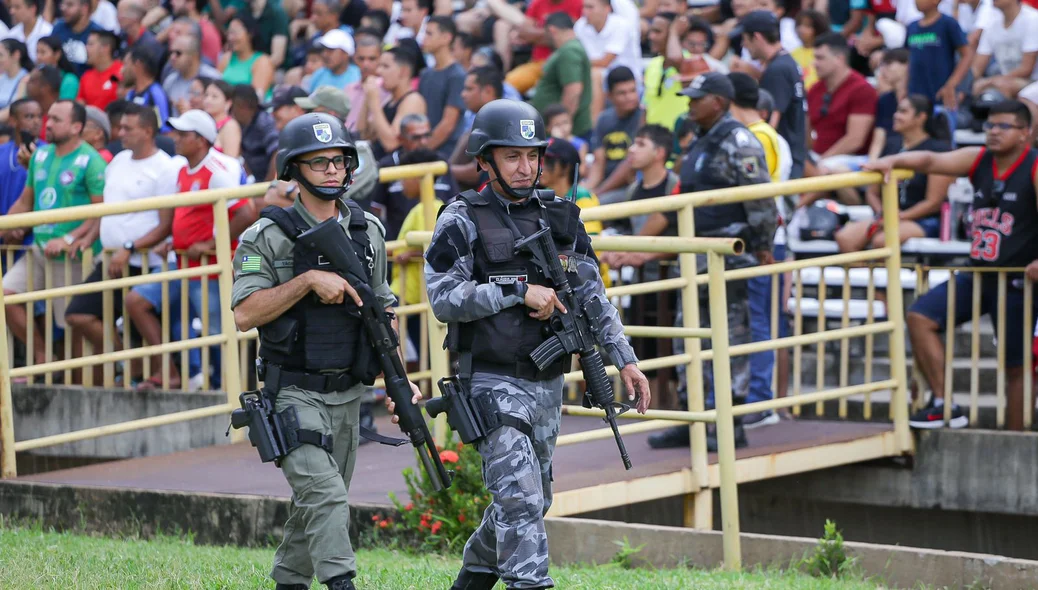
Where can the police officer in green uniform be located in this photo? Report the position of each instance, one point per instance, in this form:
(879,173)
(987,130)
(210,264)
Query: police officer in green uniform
(311,353)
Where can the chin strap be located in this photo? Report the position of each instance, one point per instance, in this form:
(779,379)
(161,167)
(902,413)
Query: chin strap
(517,193)
(325,193)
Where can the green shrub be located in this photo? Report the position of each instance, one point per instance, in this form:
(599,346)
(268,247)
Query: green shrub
(830,559)
(437,521)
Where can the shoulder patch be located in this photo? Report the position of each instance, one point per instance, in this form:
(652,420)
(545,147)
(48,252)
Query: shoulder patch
(378,223)
(253,231)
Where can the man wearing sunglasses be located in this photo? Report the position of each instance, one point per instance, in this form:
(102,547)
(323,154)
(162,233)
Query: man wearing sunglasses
(1004,233)
(309,357)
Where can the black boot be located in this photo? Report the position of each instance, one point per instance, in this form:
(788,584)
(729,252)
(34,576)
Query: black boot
(740,438)
(341,583)
(281,586)
(474,581)
(671,438)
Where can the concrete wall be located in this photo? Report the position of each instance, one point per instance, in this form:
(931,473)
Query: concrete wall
(584,541)
(967,470)
(255,520)
(967,490)
(46,410)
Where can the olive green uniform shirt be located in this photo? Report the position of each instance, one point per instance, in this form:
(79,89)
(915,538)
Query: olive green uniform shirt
(265,240)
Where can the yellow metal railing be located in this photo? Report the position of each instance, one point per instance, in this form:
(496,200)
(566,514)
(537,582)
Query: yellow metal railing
(235,371)
(699,502)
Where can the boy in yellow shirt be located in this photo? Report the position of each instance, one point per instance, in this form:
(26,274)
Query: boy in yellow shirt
(560,160)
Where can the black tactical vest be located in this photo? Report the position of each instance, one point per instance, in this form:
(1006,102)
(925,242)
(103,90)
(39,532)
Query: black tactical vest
(313,336)
(1004,229)
(699,172)
(502,343)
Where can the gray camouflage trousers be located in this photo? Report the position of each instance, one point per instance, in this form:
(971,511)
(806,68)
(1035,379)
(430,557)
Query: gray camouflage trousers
(511,541)
(738,333)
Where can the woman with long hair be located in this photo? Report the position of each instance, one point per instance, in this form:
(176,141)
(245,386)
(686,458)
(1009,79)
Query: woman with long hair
(217,102)
(49,52)
(916,128)
(15,66)
(241,63)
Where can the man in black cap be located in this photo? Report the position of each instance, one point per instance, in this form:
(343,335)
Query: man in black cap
(283,105)
(725,154)
(782,78)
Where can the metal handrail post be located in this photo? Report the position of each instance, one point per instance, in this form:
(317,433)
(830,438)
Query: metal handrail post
(723,402)
(439,362)
(700,514)
(896,314)
(8,469)
(231,374)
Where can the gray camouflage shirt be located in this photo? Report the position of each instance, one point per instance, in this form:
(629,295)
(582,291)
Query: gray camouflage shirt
(456,297)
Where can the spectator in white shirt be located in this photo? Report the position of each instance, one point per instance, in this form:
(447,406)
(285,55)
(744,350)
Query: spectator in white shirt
(140,171)
(30,27)
(1010,37)
(610,42)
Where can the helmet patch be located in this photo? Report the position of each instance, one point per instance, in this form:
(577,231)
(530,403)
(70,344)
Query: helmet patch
(323,132)
(527,128)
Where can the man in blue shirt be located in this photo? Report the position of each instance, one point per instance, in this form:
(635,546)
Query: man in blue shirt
(26,118)
(933,42)
(73,29)
(337,48)
(139,71)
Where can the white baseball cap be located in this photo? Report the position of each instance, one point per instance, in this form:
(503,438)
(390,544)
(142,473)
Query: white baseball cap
(338,39)
(198,121)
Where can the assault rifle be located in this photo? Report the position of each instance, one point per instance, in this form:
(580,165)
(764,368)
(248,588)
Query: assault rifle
(329,238)
(574,332)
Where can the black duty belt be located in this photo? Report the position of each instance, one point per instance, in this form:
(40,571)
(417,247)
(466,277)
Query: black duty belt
(275,378)
(278,378)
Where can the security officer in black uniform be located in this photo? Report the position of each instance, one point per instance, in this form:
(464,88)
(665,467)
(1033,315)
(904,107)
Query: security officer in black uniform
(495,303)
(314,356)
(725,154)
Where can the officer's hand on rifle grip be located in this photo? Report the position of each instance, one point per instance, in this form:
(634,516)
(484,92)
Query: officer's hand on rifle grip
(331,288)
(415,398)
(637,386)
(543,301)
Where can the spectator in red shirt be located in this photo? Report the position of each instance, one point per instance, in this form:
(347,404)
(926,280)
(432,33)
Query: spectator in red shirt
(99,85)
(193,234)
(841,111)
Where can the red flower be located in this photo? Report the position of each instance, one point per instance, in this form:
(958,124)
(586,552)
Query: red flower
(409,507)
(375,518)
(383,524)
(448,456)
(460,445)
(461,518)
(436,527)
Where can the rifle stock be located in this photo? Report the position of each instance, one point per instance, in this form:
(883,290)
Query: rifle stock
(329,238)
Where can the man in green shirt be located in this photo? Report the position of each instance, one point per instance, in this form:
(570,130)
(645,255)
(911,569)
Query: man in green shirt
(566,78)
(65,173)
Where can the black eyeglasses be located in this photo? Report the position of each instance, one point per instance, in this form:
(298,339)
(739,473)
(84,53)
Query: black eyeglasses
(826,99)
(419,136)
(320,164)
(988,126)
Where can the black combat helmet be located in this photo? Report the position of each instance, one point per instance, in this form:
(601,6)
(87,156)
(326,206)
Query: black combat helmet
(507,123)
(309,133)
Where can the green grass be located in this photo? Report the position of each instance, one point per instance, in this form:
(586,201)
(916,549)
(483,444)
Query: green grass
(32,558)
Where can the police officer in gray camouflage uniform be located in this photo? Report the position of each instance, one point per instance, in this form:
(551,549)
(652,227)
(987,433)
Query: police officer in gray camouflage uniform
(495,304)
(725,154)
(311,347)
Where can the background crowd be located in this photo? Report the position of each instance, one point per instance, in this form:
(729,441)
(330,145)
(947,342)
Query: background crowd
(112,101)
